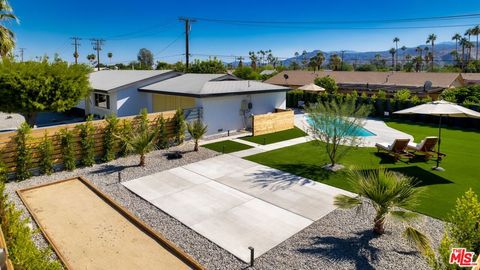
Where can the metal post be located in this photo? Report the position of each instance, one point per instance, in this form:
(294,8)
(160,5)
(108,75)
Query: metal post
(439,140)
(119,176)
(252,256)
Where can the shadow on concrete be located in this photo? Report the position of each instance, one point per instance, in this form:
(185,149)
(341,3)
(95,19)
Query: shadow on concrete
(276,180)
(355,249)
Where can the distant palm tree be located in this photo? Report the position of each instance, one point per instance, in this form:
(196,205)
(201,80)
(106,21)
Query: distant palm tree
(396,40)
(476,32)
(431,39)
(7,37)
(110,55)
(468,33)
(457,38)
(388,193)
(463,43)
(253,60)
(392,51)
(318,60)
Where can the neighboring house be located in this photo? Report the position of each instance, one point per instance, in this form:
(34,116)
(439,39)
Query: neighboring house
(471,78)
(223,101)
(116,91)
(268,72)
(419,83)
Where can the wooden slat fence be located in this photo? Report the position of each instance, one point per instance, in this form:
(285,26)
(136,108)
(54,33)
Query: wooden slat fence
(8,148)
(5,262)
(272,122)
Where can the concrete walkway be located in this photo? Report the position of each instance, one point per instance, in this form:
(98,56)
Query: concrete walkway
(237,203)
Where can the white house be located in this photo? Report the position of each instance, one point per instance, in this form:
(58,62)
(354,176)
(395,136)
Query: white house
(223,102)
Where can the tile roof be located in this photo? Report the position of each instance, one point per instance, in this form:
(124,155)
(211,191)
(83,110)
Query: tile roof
(413,79)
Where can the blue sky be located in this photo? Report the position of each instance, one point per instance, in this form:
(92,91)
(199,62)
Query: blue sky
(45,26)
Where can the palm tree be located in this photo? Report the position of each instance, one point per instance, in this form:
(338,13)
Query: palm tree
(403,48)
(476,32)
(196,129)
(253,60)
(392,51)
(140,143)
(457,38)
(318,60)
(389,193)
(7,37)
(468,33)
(463,42)
(110,55)
(431,39)
(396,40)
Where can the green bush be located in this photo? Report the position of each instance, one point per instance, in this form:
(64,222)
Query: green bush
(141,121)
(24,153)
(328,83)
(402,95)
(68,149)
(109,139)
(179,126)
(3,172)
(18,236)
(87,142)
(45,148)
(162,138)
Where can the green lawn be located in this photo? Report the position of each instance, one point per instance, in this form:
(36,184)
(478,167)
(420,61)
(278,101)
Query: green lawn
(227,146)
(276,137)
(440,189)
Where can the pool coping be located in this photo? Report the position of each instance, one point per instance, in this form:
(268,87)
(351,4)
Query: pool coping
(160,239)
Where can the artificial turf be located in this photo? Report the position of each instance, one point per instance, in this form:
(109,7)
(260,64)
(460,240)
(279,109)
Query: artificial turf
(440,189)
(276,137)
(227,146)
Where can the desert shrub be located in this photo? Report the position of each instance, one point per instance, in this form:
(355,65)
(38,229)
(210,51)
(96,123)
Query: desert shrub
(126,132)
(109,139)
(87,142)
(162,138)
(45,148)
(402,95)
(18,236)
(197,130)
(68,149)
(24,153)
(179,126)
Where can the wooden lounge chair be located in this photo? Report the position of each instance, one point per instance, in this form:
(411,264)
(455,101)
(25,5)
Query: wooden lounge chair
(425,147)
(398,149)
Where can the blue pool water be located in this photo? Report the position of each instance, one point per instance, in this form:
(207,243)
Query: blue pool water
(359,131)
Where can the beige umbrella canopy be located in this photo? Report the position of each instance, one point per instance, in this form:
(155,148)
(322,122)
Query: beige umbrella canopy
(312,87)
(440,108)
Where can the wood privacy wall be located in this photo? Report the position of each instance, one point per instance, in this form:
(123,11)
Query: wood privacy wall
(8,148)
(272,122)
(5,262)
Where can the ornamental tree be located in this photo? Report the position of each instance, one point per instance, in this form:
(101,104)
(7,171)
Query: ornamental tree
(31,87)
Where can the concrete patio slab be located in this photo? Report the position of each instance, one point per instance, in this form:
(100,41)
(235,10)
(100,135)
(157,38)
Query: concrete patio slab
(237,203)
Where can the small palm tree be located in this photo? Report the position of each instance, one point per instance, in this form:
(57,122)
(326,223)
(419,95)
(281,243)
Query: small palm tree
(388,192)
(196,129)
(140,143)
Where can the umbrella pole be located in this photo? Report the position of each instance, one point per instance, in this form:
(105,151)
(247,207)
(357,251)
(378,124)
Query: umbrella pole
(438,168)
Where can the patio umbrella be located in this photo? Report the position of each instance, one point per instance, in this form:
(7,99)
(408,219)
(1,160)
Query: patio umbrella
(440,108)
(312,87)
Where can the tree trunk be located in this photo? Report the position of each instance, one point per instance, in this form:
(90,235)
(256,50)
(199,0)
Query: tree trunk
(196,146)
(142,160)
(379,225)
(30,118)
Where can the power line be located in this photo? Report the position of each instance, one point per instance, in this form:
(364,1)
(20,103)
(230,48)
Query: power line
(170,44)
(134,33)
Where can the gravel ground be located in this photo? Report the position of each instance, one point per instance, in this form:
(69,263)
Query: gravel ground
(340,240)
(343,239)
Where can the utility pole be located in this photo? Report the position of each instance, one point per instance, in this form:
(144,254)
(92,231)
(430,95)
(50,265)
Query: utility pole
(97,46)
(21,53)
(76,43)
(343,52)
(187,31)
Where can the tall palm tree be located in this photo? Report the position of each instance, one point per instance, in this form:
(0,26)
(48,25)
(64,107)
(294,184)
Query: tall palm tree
(403,48)
(476,33)
(463,43)
(431,39)
(392,51)
(110,55)
(389,193)
(468,33)
(396,40)
(319,58)
(7,37)
(457,37)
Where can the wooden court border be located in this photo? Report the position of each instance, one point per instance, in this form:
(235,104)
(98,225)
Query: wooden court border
(160,239)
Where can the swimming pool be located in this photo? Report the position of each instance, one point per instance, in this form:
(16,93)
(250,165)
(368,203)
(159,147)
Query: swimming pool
(357,131)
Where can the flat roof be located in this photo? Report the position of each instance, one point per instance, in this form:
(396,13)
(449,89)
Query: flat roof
(204,85)
(106,80)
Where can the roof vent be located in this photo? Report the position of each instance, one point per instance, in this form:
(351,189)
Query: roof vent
(285,76)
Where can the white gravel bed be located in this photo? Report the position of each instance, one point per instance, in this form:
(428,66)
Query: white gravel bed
(344,239)
(105,177)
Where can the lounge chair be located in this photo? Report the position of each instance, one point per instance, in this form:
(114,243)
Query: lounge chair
(398,149)
(425,147)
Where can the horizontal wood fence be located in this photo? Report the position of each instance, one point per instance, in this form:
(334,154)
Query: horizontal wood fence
(8,148)
(272,122)
(5,262)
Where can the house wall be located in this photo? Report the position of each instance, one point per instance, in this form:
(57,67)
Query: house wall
(223,113)
(130,101)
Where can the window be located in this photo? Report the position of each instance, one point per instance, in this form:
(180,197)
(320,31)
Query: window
(102,101)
